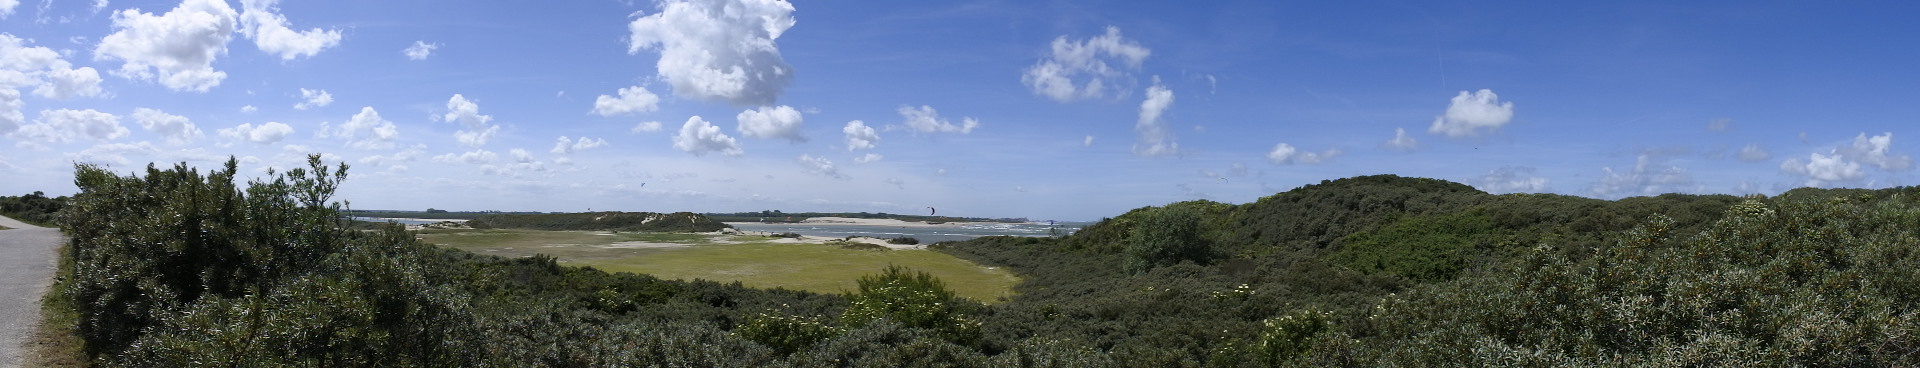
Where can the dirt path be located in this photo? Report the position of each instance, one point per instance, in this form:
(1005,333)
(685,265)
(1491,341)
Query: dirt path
(26,268)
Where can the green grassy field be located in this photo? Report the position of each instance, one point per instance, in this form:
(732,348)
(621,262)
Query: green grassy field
(754,261)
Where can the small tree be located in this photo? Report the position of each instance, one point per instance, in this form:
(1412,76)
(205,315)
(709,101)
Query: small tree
(1164,237)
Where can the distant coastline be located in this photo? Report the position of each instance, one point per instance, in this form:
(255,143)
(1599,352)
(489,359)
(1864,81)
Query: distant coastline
(849,221)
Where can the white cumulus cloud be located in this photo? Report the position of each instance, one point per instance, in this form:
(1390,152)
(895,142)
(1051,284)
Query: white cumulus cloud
(699,137)
(366,131)
(420,50)
(721,50)
(263,134)
(925,119)
(1848,162)
(870,157)
(771,122)
(44,69)
(467,114)
(819,165)
(6,7)
(475,157)
(860,136)
(1154,138)
(64,125)
(1875,151)
(521,155)
(1084,69)
(1286,154)
(634,99)
(176,48)
(1473,114)
(10,116)
(1401,141)
(1822,170)
(175,128)
(566,145)
(313,98)
(1513,179)
(63,82)
(261,21)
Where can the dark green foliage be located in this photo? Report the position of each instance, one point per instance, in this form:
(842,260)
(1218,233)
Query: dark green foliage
(913,299)
(1803,280)
(616,221)
(904,240)
(1167,236)
(35,208)
(177,268)
(1314,217)
(1422,248)
(786,334)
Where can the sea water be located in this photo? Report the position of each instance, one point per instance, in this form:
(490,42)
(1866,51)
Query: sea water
(926,235)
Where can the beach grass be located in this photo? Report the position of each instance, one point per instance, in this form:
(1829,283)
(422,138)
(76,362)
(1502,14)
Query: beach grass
(752,260)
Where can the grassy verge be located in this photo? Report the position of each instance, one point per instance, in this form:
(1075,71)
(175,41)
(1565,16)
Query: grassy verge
(55,342)
(753,261)
(814,267)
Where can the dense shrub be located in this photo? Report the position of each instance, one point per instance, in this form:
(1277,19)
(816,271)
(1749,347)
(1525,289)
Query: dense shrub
(34,208)
(1164,237)
(1796,282)
(913,299)
(1422,248)
(178,268)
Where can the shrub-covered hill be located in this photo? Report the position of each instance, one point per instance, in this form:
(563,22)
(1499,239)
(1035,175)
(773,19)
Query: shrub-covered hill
(621,221)
(1390,271)
(178,268)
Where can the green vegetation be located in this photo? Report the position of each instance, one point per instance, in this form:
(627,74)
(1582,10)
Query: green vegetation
(1168,236)
(618,221)
(174,268)
(913,299)
(35,208)
(749,260)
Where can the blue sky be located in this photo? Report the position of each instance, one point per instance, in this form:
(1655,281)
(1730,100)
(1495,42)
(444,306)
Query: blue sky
(1042,109)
